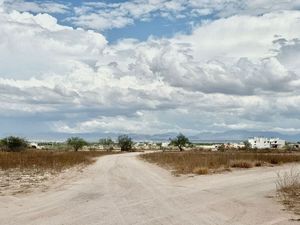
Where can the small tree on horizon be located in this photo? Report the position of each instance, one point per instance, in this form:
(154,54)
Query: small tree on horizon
(180,141)
(14,144)
(125,143)
(107,143)
(76,143)
(247,145)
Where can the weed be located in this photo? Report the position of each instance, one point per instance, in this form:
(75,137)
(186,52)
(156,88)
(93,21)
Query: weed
(288,189)
(46,160)
(241,164)
(186,162)
(200,170)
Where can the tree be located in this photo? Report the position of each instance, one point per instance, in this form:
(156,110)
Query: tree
(107,143)
(222,148)
(14,144)
(125,143)
(76,143)
(180,141)
(247,145)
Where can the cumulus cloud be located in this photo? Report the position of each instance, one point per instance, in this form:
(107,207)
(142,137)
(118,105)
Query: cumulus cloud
(35,7)
(228,73)
(40,46)
(102,16)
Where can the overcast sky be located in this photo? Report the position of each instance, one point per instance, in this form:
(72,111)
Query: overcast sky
(149,66)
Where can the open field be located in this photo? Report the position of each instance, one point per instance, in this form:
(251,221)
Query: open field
(122,189)
(21,171)
(209,162)
(46,160)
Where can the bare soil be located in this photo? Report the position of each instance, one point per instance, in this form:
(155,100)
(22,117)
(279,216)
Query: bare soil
(122,189)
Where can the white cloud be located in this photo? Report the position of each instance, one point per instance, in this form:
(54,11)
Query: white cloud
(235,71)
(35,7)
(102,16)
(41,47)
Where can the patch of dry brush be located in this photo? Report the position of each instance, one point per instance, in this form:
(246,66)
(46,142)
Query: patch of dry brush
(288,189)
(20,171)
(46,160)
(209,162)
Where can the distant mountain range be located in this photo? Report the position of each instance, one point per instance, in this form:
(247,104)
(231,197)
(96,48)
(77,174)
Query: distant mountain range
(232,135)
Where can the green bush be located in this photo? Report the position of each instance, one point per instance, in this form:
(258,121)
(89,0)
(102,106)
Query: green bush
(125,143)
(76,143)
(180,141)
(13,144)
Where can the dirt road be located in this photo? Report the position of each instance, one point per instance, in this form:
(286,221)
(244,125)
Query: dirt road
(121,189)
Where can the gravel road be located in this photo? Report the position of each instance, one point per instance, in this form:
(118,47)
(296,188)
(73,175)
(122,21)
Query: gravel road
(121,189)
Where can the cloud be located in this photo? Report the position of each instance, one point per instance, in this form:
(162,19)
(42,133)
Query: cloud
(103,16)
(35,7)
(40,46)
(235,71)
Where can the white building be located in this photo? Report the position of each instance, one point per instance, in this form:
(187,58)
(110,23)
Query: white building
(261,142)
(36,146)
(277,143)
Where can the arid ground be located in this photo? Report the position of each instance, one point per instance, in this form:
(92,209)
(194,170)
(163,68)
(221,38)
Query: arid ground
(122,189)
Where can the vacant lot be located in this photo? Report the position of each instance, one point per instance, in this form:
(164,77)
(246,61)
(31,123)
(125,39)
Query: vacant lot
(210,162)
(20,171)
(46,160)
(121,189)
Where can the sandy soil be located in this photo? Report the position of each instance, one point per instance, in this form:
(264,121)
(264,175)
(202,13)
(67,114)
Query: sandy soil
(16,181)
(121,189)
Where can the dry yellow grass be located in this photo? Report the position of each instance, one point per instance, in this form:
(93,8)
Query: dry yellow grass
(22,171)
(241,164)
(46,160)
(200,170)
(191,161)
(288,189)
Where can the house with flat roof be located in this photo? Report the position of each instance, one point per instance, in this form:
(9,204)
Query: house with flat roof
(261,142)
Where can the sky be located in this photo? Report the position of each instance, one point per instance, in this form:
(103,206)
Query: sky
(149,66)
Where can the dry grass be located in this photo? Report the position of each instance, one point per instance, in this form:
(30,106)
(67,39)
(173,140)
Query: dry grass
(22,171)
(191,161)
(201,170)
(46,160)
(288,189)
(241,164)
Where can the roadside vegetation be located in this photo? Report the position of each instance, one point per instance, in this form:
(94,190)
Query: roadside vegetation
(46,160)
(288,189)
(76,143)
(181,142)
(125,143)
(22,167)
(15,152)
(13,144)
(200,162)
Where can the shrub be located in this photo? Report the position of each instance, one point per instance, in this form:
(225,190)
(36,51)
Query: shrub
(201,170)
(125,143)
(247,145)
(107,143)
(241,164)
(180,141)
(14,144)
(222,148)
(274,161)
(258,163)
(288,189)
(76,143)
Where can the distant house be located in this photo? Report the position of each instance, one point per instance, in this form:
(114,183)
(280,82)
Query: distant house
(277,143)
(261,142)
(36,146)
